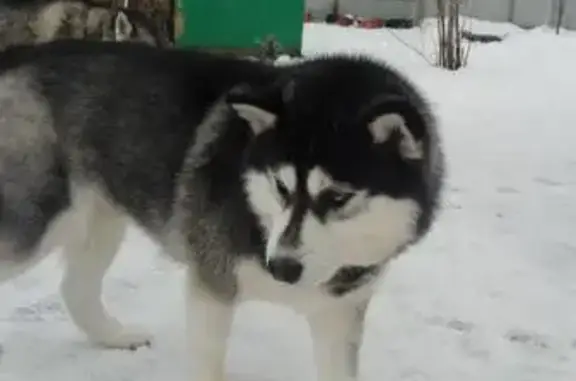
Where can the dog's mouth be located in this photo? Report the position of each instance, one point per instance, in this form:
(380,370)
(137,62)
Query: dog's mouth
(349,278)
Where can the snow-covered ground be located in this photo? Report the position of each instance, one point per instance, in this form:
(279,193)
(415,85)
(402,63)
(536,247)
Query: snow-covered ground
(490,295)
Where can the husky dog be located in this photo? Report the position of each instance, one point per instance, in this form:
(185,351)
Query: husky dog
(37,21)
(293,184)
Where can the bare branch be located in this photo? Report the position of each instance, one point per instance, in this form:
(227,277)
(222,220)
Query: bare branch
(410,46)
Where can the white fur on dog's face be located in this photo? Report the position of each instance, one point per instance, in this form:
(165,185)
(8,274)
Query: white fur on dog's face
(366,231)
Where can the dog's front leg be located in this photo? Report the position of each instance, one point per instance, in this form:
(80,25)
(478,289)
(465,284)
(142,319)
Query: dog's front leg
(209,320)
(337,335)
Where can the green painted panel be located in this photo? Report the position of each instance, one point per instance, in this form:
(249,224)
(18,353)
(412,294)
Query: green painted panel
(241,24)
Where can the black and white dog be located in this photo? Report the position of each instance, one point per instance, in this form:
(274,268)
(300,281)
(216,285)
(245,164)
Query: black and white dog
(293,184)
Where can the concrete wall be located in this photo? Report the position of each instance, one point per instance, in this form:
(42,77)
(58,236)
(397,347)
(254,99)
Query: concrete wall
(570,15)
(530,13)
(382,8)
(493,10)
(569,18)
(526,13)
(318,6)
(367,8)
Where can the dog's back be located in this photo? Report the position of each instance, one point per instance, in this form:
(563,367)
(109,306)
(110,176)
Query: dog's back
(124,111)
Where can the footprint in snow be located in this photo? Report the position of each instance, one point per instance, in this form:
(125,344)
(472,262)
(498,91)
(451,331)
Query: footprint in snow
(453,324)
(42,310)
(548,182)
(527,338)
(460,326)
(507,190)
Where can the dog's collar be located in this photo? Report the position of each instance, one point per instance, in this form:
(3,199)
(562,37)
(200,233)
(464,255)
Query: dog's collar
(350,278)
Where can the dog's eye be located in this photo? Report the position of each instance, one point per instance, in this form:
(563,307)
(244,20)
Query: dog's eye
(282,189)
(337,199)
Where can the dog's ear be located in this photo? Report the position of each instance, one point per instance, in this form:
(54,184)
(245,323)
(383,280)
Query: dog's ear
(122,26)
(259,107)
(259,119)
(394,114)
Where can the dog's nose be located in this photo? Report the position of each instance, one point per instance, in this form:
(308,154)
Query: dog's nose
(285,269)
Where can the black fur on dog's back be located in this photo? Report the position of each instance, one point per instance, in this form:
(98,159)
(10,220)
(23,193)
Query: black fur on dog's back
(132,112)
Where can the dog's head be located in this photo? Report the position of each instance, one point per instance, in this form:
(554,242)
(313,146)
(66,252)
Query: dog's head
(125,25)
(135,26)
(334,172)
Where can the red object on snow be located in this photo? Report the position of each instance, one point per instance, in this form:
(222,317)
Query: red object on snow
(307,17)
(373,23)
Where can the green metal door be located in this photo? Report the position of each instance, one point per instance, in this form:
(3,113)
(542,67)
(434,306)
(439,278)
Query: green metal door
(241,25)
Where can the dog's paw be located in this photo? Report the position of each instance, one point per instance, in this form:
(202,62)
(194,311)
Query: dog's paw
(125,337)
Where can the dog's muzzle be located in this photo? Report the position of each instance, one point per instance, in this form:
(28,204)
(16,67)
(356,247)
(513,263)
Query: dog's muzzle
(286,269)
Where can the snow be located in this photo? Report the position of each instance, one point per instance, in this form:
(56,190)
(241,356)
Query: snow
(489,295)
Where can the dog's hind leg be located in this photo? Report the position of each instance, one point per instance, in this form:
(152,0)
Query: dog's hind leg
(34,203)
(88,257)
(10,268)
(38,238)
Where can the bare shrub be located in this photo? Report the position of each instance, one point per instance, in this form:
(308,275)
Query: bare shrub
(559,11)
(453,50)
